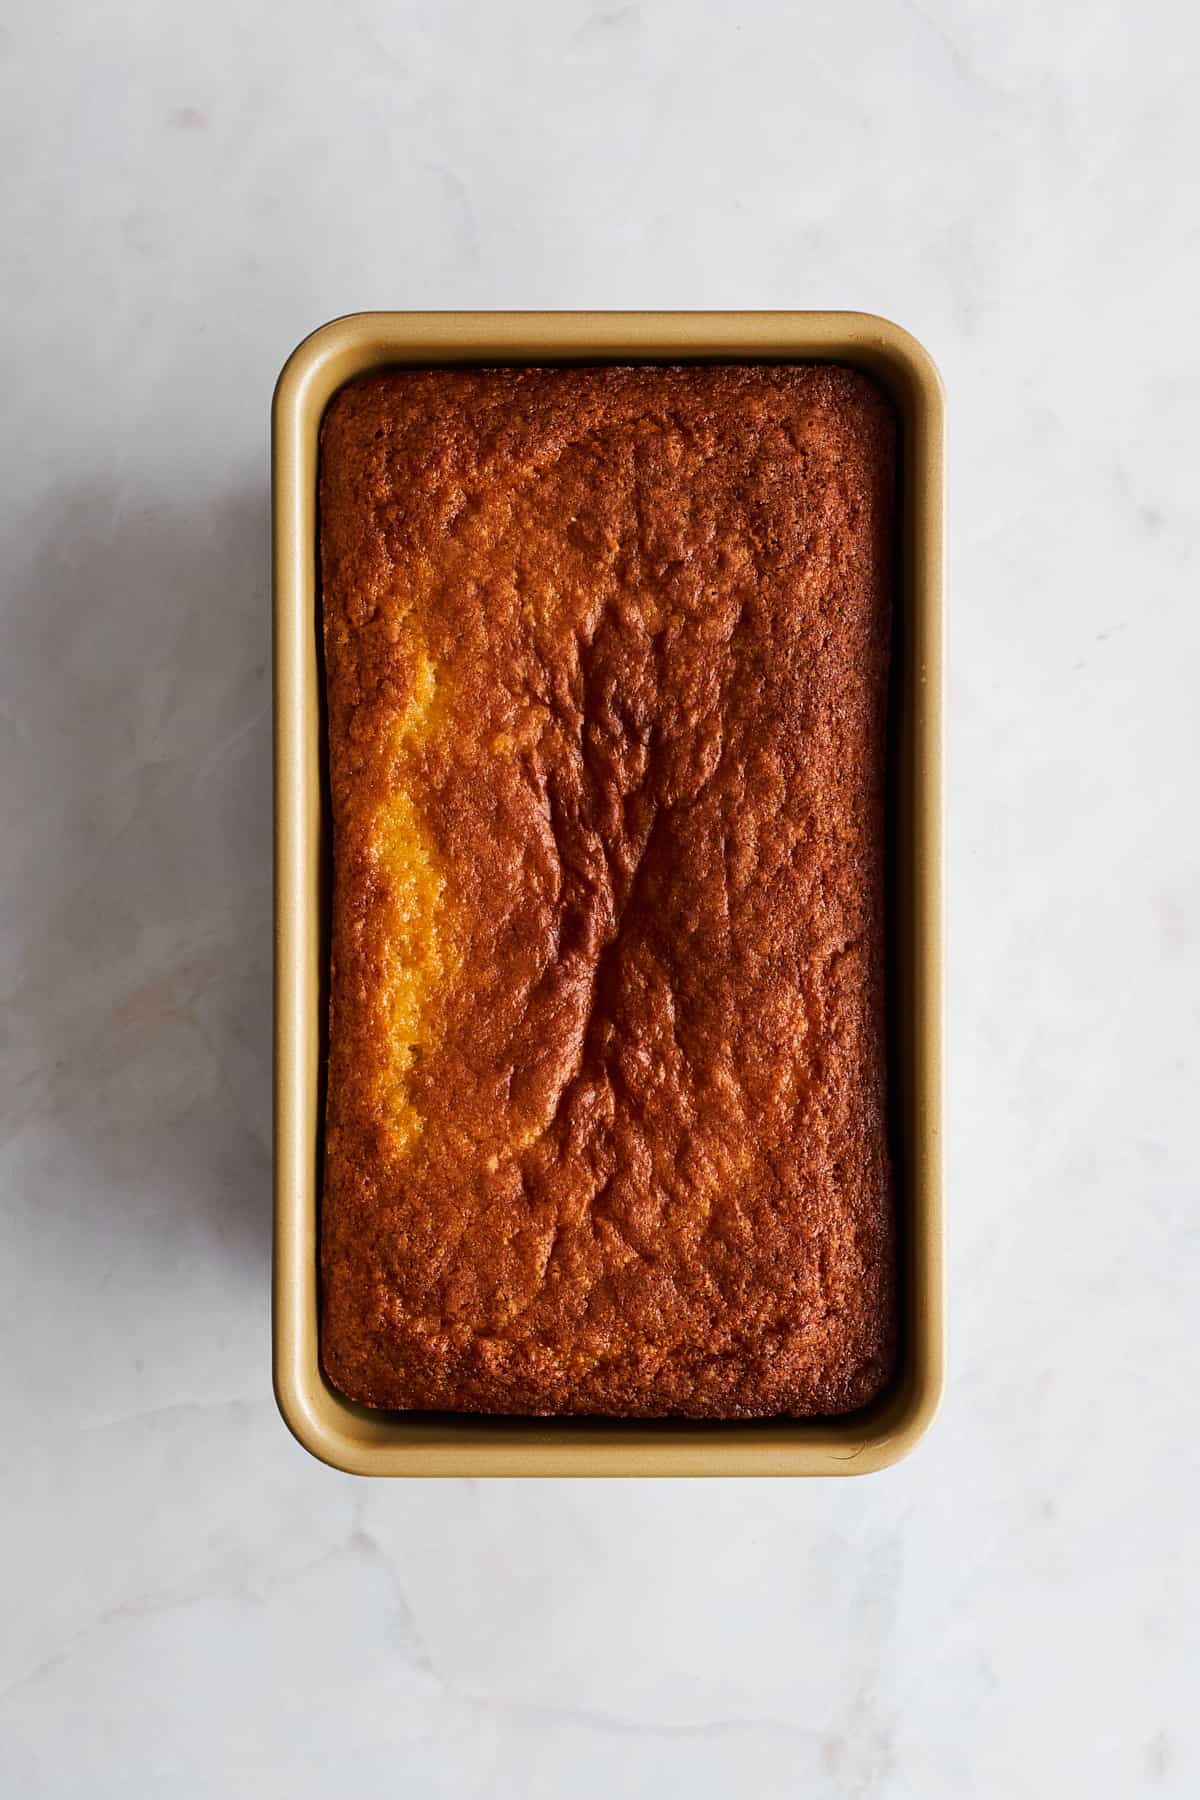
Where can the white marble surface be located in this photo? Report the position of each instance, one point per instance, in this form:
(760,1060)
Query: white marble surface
(192,1606)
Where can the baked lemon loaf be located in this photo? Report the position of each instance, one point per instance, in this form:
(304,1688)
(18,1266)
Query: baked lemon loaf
(607,660)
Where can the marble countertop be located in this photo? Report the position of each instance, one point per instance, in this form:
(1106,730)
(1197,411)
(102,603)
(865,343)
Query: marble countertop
(192,1605)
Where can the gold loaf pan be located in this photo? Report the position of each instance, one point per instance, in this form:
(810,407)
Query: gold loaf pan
(367,1442)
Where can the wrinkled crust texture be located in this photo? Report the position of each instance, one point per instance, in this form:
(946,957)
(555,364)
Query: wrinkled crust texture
(607,657)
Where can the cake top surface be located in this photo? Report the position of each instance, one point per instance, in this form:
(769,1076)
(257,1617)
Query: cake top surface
(606,659)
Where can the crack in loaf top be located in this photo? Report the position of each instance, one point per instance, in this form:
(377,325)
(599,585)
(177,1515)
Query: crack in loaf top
(606,660)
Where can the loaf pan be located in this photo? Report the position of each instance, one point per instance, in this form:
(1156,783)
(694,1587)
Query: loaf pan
(367,1442)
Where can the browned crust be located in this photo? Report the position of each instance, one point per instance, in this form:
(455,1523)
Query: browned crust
(607,663)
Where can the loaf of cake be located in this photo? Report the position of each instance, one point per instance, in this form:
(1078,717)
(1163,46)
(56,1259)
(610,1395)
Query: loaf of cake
(607,662)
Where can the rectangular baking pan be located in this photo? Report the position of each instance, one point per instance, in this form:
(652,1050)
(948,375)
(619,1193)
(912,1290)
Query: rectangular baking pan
(367,1442)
